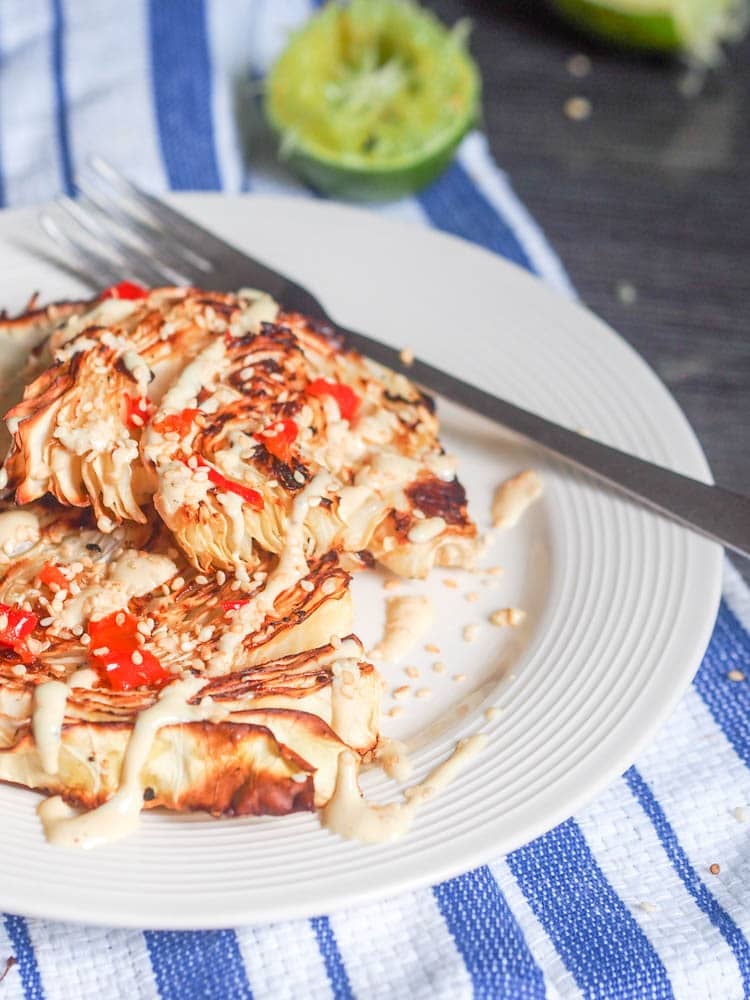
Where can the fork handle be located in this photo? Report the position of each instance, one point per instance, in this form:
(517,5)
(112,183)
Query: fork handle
(710,510)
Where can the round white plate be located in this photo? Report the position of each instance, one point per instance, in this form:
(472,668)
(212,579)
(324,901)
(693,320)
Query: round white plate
(620,603)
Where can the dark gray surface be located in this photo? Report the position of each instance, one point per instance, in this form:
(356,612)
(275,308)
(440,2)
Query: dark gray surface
(651,190)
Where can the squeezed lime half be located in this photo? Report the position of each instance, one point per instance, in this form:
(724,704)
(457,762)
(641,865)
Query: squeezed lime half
(371,99)
(695,28)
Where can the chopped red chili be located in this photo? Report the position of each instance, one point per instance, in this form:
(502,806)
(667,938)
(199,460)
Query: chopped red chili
(118,657)
(234,605)
(124,290)
(248,494)
(179,422)
(344,395)
(279,438)
(138,410)
(19,624)
(49,574)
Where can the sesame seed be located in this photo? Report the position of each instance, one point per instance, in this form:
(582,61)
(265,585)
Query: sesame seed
(402,692)
(396,711)
(452,584)
(459,677)
(178,583)
(507,616)
(491,713)
(714,868)
(101,651)
(120,619)
(735,675)
(439,667)
(235,585)
(19,669)
(430,647)
(411,671)
(420,515)
(578,109)
(423,693)
(648,907)
(626,293)
(85,639)
(136,657)
(136,420)
(328,587)
(407,356)
(739,814)
(578,65)
(472,597)
(299,477)
(391,584)
(221,577)
(201,580)
(45,622)
(307,585)
(470,632)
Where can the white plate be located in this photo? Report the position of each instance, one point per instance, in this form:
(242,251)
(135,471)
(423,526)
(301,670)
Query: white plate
(620,603)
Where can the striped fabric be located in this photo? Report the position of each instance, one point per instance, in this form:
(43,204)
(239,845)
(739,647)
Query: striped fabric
(615,903)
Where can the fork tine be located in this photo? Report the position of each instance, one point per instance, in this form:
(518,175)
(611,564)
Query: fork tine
(111,205)
(100,228)
(229,264)
(99,270)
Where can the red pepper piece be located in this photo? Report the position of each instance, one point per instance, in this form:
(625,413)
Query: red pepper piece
(279,438)
(121,673)
(124,290)
(344,395)
(19,624)
(117,633)
(234,605)
(138,410)
(179,422)
(248,494)
(49,574)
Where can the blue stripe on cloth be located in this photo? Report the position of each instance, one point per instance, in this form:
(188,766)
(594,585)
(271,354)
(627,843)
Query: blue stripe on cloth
(692,881)
(488,937)
(334,963)
(727,701)
(28,969)
(596,936)
(61,112)
(181,75)
(204,964)
(456,205)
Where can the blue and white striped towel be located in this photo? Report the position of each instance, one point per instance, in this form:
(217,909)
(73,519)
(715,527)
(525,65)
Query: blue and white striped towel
(618,901)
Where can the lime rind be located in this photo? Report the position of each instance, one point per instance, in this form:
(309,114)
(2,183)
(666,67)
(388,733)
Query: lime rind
(370,100)
(697,29)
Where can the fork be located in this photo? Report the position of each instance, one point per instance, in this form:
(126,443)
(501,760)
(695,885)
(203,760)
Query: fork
(139,236)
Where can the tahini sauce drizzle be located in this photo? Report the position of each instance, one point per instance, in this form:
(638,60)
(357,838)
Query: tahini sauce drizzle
(50,701)
(407,619)
(120,815)
(350,815)
(291,567)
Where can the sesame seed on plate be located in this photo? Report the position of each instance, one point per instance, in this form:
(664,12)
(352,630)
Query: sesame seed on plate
(411,671)
(402,692)
(423,693)
(735,675)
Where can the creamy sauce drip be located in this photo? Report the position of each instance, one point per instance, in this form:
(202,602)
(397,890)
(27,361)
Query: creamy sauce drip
(120,815)
(50,702)
(513,497)
(406,621)
(350,815)
(290,569)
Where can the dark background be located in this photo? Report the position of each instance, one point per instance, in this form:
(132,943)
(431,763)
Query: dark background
(651,190)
